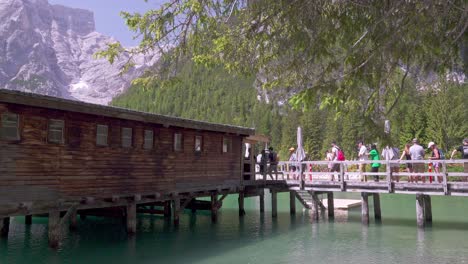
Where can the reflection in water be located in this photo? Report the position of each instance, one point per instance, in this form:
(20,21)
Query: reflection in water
(255,238)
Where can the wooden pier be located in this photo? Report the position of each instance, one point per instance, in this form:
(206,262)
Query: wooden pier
(65,159)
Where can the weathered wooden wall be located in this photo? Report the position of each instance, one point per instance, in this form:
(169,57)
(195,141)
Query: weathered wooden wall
(32,169)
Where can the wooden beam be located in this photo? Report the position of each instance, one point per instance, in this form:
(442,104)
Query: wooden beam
(4,227)
(274,203)
(167,209)
(292,202)
(176,210)
(365,208)
(420,210)
(241,203)
(331,205)
(427,208)
(55,232)
(315,205)
(73,221)
(28,219)
(131,218)
(214,207)
(377,211)
(262,201)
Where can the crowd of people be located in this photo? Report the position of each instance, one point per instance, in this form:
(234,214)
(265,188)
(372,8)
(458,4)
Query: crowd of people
(413,151)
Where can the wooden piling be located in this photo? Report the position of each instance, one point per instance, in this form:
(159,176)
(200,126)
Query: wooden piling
(377,211)
(292,202)
(54,229)
(4,227)
(315,205)
(131,218)
(262,201)
(214,207)
(167,209)
(241,203)
(274,203)
(28,219)
(420,210)
(176,210)
(73,220)
(365,208)
(427,208)
(331,205)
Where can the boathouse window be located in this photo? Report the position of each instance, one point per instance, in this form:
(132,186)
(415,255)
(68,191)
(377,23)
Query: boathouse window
(102,132)
(178,142)
(10,127)
(127,137)
(55,134)
(149,139)
(198,143)
(227,144)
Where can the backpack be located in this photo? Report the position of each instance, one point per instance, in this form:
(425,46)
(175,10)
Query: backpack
(340,155)
(441,154)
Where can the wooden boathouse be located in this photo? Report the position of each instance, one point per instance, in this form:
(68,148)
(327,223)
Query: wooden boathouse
(60,156)
(64,158)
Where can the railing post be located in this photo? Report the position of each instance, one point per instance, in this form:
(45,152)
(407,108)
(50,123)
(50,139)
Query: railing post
(343,184)
(302,183)
(444,171)
(389,176)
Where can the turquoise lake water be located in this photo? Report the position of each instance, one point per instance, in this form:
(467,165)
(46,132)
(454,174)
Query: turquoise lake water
(256,238)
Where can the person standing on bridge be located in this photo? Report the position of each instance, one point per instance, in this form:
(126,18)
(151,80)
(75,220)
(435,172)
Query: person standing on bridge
(363,156)
(374,155)
(464,151)
(273,159)
(335,157)
(417,153)
(409,166)
(435,155)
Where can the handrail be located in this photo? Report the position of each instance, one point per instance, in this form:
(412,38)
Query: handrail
(310,171)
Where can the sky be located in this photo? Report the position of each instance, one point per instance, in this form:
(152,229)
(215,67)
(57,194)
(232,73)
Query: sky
(107,18)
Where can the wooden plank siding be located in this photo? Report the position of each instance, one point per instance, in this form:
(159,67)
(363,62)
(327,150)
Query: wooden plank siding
(33,169)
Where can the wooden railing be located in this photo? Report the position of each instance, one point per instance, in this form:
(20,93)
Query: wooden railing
(390,173)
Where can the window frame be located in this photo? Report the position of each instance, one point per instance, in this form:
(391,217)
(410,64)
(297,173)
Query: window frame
(123,137)
(201,143)
(145,146)
(228,145)
(106,135)
(49,130)
(2,126)
(174,145)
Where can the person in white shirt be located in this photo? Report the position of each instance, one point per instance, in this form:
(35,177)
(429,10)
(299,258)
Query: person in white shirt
(362,156)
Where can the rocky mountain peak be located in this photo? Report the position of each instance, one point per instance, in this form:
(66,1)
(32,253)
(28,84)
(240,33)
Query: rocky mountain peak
(48,49)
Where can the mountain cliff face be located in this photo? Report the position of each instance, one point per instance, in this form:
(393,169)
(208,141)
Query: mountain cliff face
(48,49)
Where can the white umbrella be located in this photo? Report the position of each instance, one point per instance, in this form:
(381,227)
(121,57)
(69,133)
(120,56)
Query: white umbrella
(300,153)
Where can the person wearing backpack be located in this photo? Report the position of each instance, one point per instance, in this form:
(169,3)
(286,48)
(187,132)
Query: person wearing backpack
(464,151)
(273,160)
(435,155)
(337,155)
(374,155)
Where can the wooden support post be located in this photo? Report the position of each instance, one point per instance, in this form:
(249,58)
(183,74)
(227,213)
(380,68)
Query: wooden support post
(341,175)
(54,229)
(131,218)
(427,208)
(176,210)
(4,227)
(420,210)
(377,212)
(365,208)
(241,203)
(167,209)
(274,203)
(292,202)
(262,202)
(214,207)
(28,219)
(73,220)
(331,205)
(315,205)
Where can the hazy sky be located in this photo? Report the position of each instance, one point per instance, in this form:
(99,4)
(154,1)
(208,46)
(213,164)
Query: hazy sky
(106,15)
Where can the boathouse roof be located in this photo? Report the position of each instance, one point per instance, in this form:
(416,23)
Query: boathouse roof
(36,100)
